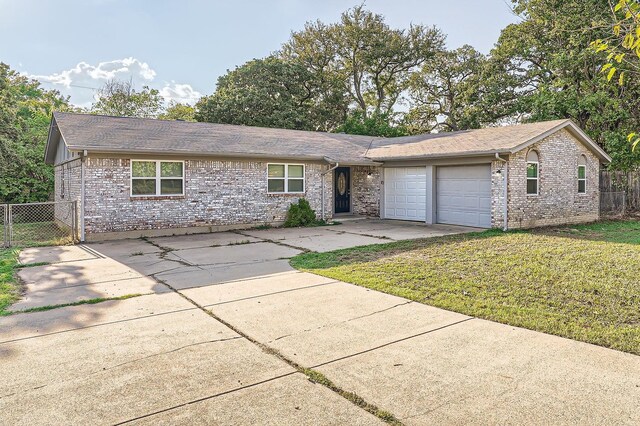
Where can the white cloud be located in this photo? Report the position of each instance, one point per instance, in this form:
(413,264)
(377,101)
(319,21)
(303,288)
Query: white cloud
(82,81)
(85,73)
(182,93)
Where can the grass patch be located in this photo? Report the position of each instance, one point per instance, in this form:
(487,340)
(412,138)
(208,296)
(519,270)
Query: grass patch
(579,282)
(626,232)
(317,377)
(37,234)
(9,288)
(63,305)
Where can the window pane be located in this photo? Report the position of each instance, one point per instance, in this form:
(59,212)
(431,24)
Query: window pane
(582,172)
(296,185)
(582,186)
(532,170)
(296,171)
(276,170)
(143,187)
(532,186)
(143,168)
(170,186)
(276,185)
(170,169)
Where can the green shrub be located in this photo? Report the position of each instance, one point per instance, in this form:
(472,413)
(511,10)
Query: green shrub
(300,214)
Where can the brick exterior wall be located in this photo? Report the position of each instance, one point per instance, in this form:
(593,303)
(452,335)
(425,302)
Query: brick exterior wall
(497,193)
(216,193)
(68,187)
(234,192)
(558,201)
(366,190)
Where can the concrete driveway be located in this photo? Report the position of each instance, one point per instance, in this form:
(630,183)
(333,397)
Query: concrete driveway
(222,327)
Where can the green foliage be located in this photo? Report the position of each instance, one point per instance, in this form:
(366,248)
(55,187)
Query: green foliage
(376,124)
(119,98)
(300,214)
(25,114)
(9,289)
(363,57)
(345,76)
(271,92)
(178,111)
(622,49)
(451,92)
(549,66)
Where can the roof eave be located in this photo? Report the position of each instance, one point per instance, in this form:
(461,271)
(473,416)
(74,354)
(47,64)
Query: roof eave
(444,155)
(53,127)
(153,152)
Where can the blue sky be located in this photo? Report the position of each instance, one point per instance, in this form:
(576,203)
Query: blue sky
(181,47)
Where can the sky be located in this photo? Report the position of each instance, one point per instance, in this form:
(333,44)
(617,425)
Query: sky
(182,47)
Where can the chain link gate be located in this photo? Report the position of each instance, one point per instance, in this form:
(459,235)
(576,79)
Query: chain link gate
(4,231)
(49,223)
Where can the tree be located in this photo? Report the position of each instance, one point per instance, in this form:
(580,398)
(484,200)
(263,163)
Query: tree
(447,93)
(375,124)
(25,114)
(363,57)
(622,47)
(272,92)
(119,98)
(178,111)
(555,75)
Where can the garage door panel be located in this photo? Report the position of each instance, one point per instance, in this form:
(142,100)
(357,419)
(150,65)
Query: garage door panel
(464,195)
(405,193)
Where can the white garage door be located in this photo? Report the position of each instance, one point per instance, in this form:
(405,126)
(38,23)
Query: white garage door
(464,195)
(405,193)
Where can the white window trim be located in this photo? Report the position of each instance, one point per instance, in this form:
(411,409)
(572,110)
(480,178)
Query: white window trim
(582,179)
(157,178)
(537,179)
(286,178)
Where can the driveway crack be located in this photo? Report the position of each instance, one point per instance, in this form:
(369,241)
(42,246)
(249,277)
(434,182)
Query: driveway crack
(312,375)
(278,242)
(341,322)
(125,363)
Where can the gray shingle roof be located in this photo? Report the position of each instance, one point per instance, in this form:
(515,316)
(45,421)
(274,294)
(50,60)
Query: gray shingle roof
(491,139)
(138,135)
(120,134)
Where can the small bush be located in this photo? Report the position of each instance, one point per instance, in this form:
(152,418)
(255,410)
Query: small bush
(300,214)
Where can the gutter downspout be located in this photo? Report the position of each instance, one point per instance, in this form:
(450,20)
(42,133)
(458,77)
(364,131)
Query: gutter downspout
(82,194)
(505,192)
(323,174)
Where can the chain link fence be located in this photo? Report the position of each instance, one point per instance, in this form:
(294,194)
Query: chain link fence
(51,223)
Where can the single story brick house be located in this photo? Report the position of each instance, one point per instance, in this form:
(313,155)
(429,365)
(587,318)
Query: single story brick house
(134,176)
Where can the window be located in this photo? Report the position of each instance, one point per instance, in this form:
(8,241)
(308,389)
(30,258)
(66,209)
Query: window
(532,173)
(582,175)
(285,178)
(151,178)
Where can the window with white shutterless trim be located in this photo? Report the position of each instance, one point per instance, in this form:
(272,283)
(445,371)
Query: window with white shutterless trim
(582,175)
(533,171)
(285,178)
(157,178)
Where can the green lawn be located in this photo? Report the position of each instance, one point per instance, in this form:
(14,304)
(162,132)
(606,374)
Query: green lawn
(580,282)
(9,290)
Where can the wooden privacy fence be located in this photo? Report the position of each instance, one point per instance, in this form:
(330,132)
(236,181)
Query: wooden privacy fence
(619,192)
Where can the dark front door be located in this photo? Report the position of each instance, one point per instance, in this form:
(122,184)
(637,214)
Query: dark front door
(342,189)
